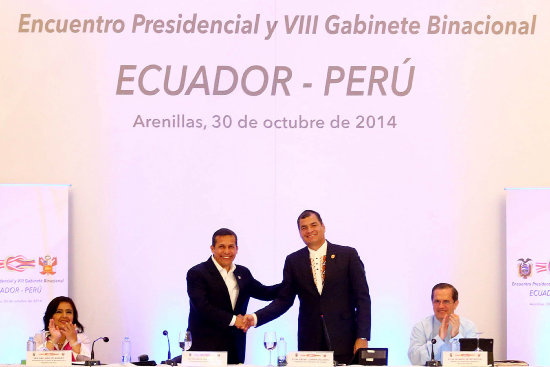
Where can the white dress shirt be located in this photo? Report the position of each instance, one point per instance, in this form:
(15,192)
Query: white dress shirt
(231,284)
(420,346)
(316,257)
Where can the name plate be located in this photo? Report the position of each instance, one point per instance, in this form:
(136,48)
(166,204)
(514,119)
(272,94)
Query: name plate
(50,358)
(317,359)
(465,359)
(203,359)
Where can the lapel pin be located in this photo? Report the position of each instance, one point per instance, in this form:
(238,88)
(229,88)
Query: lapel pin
(332,256)
(238,276)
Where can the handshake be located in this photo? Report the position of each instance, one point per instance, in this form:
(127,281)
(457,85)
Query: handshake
(244,322)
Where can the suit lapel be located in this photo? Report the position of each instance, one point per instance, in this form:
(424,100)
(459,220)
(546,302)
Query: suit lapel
(239,277)
(240,283)
(330,264)
(219,283)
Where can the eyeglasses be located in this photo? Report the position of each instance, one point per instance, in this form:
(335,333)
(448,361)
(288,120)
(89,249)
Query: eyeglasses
(445,302)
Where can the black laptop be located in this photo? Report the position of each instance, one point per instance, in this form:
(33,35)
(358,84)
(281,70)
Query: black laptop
(471,344)
(371,357)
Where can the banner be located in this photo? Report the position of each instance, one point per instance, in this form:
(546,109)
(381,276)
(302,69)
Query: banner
(33,260)
(528,274)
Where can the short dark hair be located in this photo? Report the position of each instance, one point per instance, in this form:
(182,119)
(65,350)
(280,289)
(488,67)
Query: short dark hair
(223,232)
(308,213)
(445,286)
(52,309)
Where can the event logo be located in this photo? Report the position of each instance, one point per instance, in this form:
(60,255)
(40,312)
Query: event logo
(47,264)
(542,267)
(524,268)
(16,263)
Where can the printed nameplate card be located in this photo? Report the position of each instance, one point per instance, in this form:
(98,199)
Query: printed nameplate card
(464,359)
(203,359)
(317,359)
(50,358)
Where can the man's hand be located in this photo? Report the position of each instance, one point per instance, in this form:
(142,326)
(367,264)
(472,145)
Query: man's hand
(240,323)
(454,320)
(444,327)
(250,321)
(244,322)
(360,343)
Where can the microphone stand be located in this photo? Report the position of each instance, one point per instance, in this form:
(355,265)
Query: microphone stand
(169,361)
(92,361)
(433,362)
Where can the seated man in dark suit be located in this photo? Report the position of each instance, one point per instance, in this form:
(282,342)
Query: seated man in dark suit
(219,292)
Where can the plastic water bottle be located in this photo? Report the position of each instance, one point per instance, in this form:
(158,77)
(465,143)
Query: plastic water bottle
(126,350)
(31,344)
(281,352)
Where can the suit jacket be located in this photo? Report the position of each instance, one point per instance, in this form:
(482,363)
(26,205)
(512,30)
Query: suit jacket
(211,311)
(337,317)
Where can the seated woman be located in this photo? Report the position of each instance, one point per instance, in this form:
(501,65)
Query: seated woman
(63,330)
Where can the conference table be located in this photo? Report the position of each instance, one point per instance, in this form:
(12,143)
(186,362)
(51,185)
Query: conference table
(162,365)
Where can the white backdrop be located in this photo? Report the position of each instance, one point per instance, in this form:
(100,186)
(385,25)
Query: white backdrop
(422,201)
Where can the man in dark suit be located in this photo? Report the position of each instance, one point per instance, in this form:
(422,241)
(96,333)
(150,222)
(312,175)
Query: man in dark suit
(219,292)
(332,288)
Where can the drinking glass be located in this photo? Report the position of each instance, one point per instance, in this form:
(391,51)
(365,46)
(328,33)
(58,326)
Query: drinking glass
(270,342)
(40,339)
(478,349)
(185,340)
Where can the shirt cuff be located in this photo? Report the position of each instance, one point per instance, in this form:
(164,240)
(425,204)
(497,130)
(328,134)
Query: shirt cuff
(232,323)
(255,319)
(457,337)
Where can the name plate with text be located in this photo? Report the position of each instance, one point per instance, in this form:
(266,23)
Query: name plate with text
(203,359)
(50,358)
(465,359)
(317,359)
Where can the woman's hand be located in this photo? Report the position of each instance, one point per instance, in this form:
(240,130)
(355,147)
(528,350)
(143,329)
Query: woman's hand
(69,331)
(55,333)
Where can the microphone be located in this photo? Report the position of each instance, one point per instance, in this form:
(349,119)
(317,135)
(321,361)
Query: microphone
(165,332)
(92,361)
(433,362)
